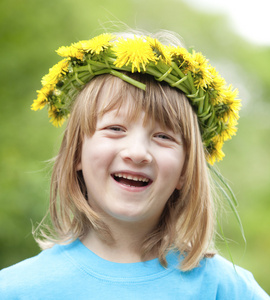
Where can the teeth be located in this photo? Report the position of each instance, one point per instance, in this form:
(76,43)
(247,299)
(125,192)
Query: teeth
(131,177)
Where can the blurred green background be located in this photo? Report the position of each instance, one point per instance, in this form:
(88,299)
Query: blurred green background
(30,31)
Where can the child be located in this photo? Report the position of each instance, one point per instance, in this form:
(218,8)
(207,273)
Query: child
(131,203)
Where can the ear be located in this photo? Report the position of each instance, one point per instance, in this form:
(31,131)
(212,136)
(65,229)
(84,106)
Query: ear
(79,166)
(180,183)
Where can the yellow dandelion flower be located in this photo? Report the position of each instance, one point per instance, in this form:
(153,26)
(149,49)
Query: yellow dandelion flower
(70,51)
(179,52)
(42,99)
(183,58)
(38,104)
(233,121)
(55,73)
(162,52)
(204,78)
(228,132)
(232,111)
(56,116)
(230,96)
(217,154)
(233,105)
(218,82)
(199,59)
(200,62)
(96,44)
(135,51)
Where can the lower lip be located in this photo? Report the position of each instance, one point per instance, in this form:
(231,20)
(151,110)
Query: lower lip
(129,188)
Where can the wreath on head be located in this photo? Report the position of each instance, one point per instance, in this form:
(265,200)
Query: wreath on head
(214,102)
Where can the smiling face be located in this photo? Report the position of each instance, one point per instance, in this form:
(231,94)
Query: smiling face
(131,167)
(131,146)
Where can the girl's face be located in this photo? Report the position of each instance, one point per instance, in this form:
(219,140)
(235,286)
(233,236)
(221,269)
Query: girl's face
(131,168)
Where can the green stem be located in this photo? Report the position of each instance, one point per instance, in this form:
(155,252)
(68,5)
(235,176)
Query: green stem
(201,103)
(128,79)
(191,83)
(181,74)
(172,78)
(229,196)
(226,243)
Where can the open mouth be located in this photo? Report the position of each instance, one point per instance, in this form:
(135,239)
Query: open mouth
(131,180)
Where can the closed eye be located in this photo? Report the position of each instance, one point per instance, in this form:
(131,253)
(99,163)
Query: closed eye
(115,131)
(115,128)
(164,136)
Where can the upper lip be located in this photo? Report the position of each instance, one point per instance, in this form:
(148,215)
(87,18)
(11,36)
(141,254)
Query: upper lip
(137,176)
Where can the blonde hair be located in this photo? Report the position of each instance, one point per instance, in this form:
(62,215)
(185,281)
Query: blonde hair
(187,222)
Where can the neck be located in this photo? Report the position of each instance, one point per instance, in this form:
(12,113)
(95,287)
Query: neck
(126,245)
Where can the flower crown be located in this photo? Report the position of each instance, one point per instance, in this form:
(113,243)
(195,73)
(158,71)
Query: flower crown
(214,102)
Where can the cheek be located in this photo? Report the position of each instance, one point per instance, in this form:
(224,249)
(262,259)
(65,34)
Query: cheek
(171,167)
(96,154)
(172,161)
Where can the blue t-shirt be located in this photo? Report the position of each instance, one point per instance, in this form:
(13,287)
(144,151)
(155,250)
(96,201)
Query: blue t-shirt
(74,272)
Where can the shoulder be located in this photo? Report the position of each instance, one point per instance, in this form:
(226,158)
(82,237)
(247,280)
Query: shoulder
(29,265)
(231,280)
(27,277)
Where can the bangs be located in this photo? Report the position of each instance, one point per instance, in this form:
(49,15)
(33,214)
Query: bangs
(160,103)
(154,102)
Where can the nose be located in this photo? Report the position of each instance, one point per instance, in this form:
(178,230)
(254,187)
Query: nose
(137,151)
